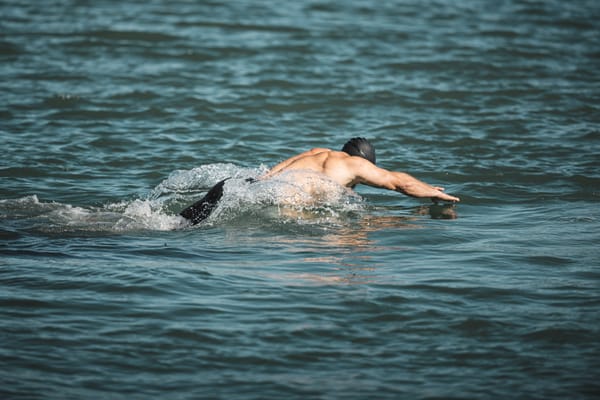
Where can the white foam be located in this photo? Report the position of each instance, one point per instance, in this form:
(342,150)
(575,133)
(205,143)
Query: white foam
(32,199)
(147,215)
(115,217)
(26,206)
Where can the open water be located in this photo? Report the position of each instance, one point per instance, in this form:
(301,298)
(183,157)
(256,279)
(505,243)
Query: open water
(114,115)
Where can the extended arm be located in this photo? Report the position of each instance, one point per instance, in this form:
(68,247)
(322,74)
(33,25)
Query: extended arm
(371,175)
(411,186)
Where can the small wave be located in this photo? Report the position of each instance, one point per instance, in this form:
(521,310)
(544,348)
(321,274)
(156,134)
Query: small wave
(54,217)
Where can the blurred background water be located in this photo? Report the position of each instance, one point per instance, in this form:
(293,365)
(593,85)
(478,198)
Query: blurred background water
(116,114)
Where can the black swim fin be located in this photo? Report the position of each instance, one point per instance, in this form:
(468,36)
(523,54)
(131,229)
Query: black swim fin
(201,209)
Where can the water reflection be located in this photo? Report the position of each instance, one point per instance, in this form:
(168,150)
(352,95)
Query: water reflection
(321,247)
(345,254)
(438,211)
(356,236)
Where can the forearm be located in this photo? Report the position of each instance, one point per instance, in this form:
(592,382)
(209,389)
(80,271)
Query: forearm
(411,186)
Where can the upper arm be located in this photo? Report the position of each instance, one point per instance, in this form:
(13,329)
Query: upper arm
(400,182)
(369,174)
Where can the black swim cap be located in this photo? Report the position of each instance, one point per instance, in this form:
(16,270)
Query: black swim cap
(360,147)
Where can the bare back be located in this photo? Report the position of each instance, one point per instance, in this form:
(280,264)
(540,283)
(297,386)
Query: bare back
(333,164)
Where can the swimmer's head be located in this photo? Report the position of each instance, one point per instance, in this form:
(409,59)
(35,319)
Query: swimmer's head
(360,147)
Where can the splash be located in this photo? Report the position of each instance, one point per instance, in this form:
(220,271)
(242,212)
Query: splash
(203,177)
(297,196)
(147,215)
(54,217)
(286,198)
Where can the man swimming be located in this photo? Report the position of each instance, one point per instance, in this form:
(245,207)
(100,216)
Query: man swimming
(353,165)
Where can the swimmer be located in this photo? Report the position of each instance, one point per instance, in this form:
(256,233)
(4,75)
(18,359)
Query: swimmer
(353,165)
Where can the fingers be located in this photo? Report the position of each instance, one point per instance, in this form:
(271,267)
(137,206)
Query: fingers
(447,197)
(444,196)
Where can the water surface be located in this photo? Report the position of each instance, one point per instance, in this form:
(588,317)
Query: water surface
(115,115)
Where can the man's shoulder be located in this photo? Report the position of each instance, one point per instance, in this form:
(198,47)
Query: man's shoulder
(337,154)
(341,159)
(318,150)
(353,164)
(344,157)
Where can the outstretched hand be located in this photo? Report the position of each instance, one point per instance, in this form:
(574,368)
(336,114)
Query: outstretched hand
(443,196)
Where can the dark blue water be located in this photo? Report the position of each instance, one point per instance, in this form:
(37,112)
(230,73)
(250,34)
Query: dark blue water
(116,115)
